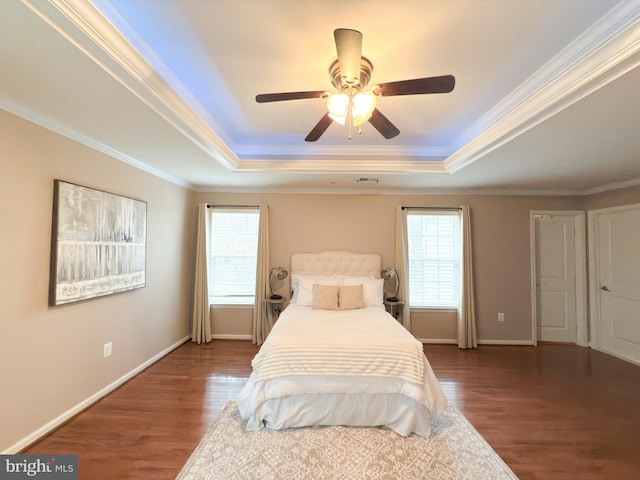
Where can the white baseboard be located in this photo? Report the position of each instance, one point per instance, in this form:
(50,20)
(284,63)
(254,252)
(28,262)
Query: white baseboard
(505,342)
(617,355)
(62,418)
(452,341)
(448,341)
(225,336)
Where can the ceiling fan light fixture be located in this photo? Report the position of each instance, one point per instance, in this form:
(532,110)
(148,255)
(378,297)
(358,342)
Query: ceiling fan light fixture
(363,106)
(338,106)
(350,75)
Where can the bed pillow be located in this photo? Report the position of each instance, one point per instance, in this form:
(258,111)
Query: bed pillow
(325,297)
(373,289)
(350,297)
(302,286)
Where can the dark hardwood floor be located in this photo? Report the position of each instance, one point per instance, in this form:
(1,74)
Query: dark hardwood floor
(551,412)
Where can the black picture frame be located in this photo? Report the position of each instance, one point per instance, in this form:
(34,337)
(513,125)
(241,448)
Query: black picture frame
(98,243)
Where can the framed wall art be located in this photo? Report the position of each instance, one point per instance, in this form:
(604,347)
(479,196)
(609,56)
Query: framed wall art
(98,243)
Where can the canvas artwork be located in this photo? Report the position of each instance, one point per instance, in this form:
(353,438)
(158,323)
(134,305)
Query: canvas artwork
(98,243)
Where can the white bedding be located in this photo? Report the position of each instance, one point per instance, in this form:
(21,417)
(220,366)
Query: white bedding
(355,367)
(361,342)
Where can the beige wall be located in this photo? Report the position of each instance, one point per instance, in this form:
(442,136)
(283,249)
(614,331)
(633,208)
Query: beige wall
(366,223)
(231,321)
(51,358)
(615,198)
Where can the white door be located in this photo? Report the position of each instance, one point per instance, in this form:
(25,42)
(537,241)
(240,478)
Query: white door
(618,282)
(555,272)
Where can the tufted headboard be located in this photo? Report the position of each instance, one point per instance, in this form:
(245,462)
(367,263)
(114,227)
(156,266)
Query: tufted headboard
(336,263)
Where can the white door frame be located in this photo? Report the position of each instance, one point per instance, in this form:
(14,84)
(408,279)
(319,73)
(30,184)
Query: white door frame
(594,272)
(579,218)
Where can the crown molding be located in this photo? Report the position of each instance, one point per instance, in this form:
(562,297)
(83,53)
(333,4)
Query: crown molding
(378,191)
(86,27)
(613,186)
(607,50)
(428,153)
(64,130)
(371,166)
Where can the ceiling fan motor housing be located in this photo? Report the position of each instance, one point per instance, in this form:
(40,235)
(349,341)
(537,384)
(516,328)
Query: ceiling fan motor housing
(366,68)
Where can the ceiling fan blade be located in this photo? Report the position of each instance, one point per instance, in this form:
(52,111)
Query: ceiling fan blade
(383,125)
(442,84)
(317,131)
(349,48)
(279,97)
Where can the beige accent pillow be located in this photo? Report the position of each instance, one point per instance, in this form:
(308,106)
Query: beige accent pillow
(325,297)
(351,297)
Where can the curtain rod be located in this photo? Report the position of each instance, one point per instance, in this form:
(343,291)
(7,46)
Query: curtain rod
(232,206)
(431,208)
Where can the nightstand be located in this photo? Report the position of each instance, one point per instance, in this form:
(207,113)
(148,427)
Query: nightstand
(274,305)
(394,307)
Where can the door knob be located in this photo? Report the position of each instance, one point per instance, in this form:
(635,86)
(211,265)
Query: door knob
(605,288)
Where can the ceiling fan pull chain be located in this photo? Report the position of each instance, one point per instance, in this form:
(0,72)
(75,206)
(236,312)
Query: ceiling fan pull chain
(350,110)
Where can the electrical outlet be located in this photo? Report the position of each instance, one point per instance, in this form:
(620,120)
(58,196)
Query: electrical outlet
(107,350)
(501,317)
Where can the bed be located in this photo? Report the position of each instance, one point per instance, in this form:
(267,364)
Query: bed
(336,357)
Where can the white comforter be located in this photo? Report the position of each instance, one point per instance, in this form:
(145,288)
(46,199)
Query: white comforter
(355,367)
(364,342)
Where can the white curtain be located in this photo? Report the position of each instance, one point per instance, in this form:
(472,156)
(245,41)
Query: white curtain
(467,337)
(402,263)
(262,320)
(200,320)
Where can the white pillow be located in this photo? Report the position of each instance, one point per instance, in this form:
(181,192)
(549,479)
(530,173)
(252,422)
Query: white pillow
(372,289)
(303,291)
(314,278)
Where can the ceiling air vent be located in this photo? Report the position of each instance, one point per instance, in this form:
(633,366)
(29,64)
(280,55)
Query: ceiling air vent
(367,180)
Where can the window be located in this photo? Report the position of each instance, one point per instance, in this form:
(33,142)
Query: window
(434,259)
(233,256)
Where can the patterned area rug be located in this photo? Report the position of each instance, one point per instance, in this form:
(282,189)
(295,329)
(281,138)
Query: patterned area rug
(455,450)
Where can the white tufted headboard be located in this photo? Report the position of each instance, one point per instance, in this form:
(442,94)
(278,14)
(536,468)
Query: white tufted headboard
(336,263)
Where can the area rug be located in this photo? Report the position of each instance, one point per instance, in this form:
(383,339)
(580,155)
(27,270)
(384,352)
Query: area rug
(455,450)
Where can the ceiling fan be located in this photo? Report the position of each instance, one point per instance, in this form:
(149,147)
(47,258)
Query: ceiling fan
(353,103)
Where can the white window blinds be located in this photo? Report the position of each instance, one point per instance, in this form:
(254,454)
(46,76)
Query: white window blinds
(434,259)
(233,256)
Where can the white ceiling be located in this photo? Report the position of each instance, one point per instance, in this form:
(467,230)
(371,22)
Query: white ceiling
(547,95)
